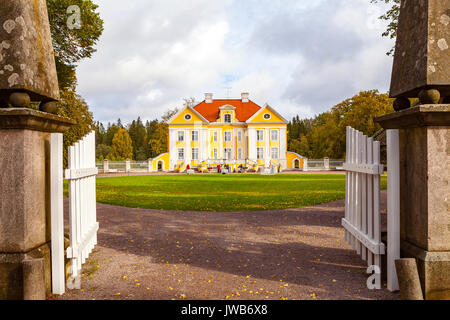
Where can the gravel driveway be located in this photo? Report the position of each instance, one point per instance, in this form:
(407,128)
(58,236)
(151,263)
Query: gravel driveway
(279,254)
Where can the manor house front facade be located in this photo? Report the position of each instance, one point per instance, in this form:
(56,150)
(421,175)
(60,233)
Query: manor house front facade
(231,132)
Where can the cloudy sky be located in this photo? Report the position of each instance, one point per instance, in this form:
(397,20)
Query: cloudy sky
(300,56)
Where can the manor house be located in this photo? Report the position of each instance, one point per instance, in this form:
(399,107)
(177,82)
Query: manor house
(229,132)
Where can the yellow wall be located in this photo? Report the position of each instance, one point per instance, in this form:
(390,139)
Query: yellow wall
(291,156)
(181,120)
(165,157)
(260,117)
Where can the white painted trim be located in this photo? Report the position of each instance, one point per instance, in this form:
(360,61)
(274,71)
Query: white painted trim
(301,157)
(227,106)
(184,109)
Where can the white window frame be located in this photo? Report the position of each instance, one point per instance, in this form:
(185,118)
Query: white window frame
(277,132)
(258,136)
(215,136)
(226,115)
(180,136)
(195,154)
(239,154)
(192,135)
(230,133)
(260,153)
(226,152)
(180,151)
(272,153)
(215,154)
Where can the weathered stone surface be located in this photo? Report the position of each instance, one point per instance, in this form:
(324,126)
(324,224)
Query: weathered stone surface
(422,51)
(18,118)
(13,274)
(424,192)
(34,279)
(419,116)
(408,279)
(22,189)
(26,53)
(433,268)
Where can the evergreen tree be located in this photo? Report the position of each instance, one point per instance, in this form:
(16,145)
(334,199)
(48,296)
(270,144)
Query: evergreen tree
(122,148)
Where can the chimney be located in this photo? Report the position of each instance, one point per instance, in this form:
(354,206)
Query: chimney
(208,97)
(244,97)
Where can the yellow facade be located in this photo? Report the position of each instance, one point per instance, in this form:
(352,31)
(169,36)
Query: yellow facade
(226,132)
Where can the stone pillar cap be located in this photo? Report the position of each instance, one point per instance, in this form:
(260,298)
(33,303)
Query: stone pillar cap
(30,119)
(420,116)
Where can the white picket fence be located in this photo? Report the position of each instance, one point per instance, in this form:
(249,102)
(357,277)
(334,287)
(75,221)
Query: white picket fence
(83,225)
(362,220)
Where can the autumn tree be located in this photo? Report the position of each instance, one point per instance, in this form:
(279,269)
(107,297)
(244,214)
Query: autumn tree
(72,106)
(325,135)
(73,44)
(122,147)
(390,16)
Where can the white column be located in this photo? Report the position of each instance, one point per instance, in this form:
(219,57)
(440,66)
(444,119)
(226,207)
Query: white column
(105,165)
(57,214)
(149,165)
(393,207)
(187,149)
(283,148)
(252,144)
(305,164)
(172,149)
(127,165)
(326,163)
(267,147)
(220,133)
(233,148)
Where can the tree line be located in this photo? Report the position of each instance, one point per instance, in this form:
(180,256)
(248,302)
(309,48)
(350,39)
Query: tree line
(315,138)
(325,134)
(321,136)
(135,141)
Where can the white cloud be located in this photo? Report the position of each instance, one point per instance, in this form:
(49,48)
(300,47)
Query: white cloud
(301,57)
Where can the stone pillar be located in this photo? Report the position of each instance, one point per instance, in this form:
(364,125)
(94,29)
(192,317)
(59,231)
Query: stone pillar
(305,164)
(127,165)
(149,165)
(326,163)
(105,166)
(424,192)
(25,228)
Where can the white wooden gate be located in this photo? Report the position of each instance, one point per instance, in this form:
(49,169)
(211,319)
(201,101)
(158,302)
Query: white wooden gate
(83,223)
(362,220)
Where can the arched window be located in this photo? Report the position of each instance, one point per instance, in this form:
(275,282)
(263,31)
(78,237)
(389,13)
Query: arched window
(227,118)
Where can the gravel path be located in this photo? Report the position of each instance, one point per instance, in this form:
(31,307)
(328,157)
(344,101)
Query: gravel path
(279,254)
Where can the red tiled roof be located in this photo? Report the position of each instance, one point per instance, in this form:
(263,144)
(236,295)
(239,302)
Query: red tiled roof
(210,111)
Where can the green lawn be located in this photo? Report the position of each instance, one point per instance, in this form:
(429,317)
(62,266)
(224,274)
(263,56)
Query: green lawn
(220,192)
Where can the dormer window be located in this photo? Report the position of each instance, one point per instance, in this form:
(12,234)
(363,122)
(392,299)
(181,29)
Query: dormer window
(227,118)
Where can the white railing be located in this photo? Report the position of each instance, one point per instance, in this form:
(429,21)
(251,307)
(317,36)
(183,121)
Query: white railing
(83,223)
(362,220)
